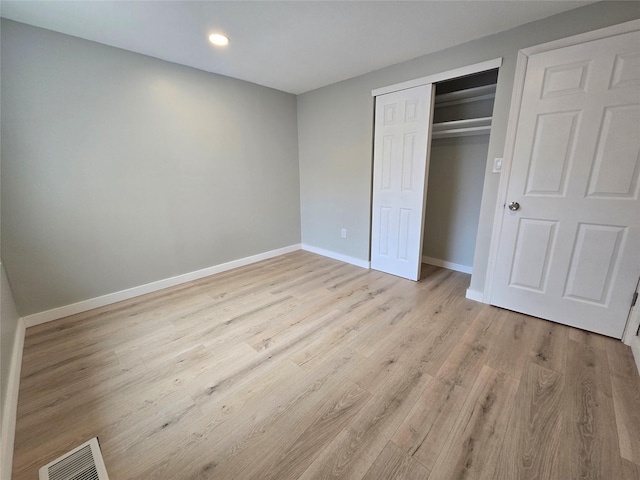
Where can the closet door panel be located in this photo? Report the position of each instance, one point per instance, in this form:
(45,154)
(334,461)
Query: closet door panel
(401,149)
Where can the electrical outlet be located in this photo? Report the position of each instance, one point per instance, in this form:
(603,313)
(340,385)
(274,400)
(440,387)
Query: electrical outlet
(497,165)
(343,233)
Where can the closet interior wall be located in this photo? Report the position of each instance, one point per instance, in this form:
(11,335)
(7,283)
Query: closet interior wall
(459,147)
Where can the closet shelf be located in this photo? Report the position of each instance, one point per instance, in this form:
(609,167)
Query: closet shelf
(462,128)
(475,94)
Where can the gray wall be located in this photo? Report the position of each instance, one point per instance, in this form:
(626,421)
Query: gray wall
(120,169)
(335,126)
(456,176)
(8,323)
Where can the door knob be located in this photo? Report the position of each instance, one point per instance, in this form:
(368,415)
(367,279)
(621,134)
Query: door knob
(513,206)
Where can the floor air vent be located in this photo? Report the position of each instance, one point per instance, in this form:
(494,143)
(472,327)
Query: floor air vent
(82,463)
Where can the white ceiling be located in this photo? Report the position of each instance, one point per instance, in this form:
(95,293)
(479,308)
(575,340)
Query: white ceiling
(294,46)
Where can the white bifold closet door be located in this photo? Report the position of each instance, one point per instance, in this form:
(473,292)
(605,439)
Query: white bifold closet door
(569,248)
(400,164)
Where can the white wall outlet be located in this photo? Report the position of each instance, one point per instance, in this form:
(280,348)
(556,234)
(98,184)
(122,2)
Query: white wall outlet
(497,165)
(343,233)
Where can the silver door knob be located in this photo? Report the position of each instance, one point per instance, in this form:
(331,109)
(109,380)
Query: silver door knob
(513,206)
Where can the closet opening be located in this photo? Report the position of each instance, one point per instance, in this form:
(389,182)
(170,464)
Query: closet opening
(462,113)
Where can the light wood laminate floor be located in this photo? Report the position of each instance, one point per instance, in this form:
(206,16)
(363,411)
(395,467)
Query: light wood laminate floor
(305,367)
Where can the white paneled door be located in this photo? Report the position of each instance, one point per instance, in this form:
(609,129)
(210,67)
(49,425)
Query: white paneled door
(569,248)
(400,164)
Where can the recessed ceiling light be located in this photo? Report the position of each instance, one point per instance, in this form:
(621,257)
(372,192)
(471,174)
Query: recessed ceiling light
(219,39)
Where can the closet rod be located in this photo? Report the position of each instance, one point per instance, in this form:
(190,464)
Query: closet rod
(462,128)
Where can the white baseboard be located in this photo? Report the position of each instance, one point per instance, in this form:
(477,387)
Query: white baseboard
(11,404)
(337,256)
(83,306)
(474,295)
(635,348)
(444,264)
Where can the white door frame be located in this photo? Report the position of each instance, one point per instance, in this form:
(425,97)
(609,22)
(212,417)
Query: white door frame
(435,78)
(441,77)
(514,111)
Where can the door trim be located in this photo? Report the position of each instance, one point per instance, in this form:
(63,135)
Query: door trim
(599,34)
(440,77)
(514,114)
